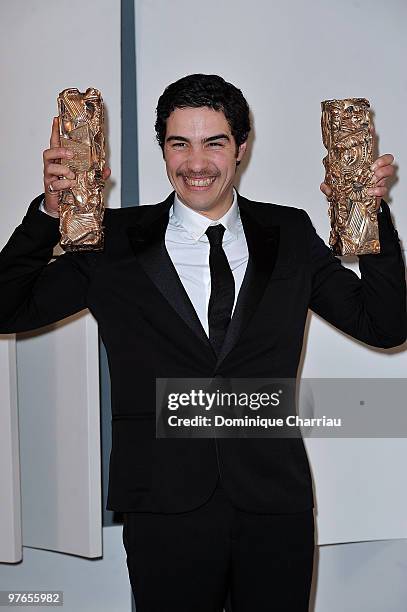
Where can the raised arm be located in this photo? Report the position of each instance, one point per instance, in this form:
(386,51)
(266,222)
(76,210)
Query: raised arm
(33,291)
(371,308)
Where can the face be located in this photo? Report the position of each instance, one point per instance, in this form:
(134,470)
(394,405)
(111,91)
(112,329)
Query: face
(200,155)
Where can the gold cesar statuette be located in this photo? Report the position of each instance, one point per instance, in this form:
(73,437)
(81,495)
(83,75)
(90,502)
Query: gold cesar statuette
(81,209)
(353,213)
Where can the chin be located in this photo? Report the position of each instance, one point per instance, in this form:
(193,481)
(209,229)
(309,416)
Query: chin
(198,205)
(196,200)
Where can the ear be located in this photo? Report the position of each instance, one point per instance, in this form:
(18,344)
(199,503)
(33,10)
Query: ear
(241,151)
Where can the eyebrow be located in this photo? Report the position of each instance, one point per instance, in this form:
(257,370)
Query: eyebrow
(209,139)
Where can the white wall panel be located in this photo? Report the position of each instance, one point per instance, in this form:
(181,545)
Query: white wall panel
(60,437)
(10,507)
(46,46)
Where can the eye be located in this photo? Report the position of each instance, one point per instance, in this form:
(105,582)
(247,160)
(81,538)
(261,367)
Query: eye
(215,144)
(179,145)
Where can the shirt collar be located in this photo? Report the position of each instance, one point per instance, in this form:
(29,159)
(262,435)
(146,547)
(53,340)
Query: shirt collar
(196,224)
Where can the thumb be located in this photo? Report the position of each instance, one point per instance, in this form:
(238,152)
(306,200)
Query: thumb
(326,190)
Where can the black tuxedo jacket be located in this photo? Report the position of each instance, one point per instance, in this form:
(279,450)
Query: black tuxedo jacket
(151,330)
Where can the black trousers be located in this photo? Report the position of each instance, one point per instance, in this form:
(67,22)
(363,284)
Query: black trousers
(217,555)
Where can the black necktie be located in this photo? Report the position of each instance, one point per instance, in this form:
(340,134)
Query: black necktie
(222,288)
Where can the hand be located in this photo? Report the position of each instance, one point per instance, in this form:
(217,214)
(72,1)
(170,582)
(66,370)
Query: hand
(383,168)
(56,173)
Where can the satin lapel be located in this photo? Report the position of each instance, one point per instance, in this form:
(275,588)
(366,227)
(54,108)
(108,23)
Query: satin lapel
(262,241)
(147,239)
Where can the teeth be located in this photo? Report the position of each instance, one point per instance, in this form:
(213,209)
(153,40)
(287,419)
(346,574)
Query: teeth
(199,182)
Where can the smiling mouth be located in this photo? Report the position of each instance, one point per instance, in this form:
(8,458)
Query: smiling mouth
(202,182)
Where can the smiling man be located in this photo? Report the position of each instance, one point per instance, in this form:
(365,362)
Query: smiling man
(206,284)
(201,155)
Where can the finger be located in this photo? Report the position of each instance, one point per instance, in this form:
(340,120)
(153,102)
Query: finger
(60,185)
(381,183)
(383,160)
(53,170)
(326,190)
(54,140)
(378,191)
(48,193)
(383,172)
(57,153)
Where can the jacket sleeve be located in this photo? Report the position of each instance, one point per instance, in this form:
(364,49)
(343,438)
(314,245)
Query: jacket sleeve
(371,308)
(33,291)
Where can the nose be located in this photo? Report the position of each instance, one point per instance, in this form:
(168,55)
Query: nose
(197,160)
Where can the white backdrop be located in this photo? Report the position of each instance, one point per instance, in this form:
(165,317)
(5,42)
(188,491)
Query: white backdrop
(44,48)
(287,57)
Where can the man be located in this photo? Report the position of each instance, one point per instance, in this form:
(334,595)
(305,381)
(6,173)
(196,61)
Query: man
(205,284)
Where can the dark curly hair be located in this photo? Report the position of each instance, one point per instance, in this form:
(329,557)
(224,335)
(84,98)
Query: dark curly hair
(196,90)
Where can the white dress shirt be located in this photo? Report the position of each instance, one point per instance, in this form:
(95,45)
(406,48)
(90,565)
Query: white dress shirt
(188,247)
